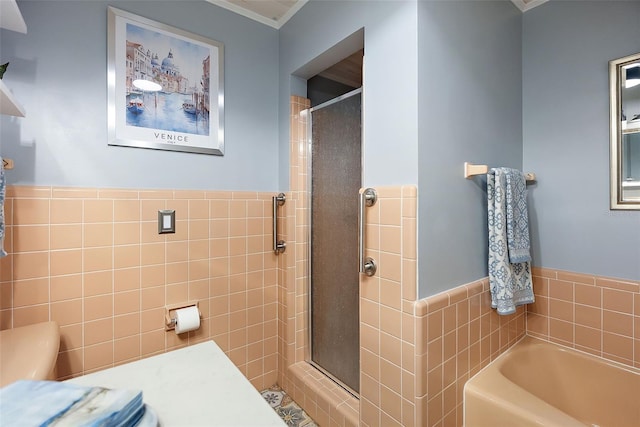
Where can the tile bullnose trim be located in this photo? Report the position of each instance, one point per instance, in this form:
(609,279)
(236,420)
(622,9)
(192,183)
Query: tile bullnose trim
(622,284)
(28,191)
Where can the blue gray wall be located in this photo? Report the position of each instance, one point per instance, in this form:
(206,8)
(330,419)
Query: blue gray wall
(470,98)
(442,85)
(390,97)
(566,49)
(445,82)
(58,72)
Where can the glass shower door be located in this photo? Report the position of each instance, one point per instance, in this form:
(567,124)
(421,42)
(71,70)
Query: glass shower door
(336,170)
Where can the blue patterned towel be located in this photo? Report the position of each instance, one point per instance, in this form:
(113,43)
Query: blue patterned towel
(509,281)
(2,191)
(517,217)
(51,403)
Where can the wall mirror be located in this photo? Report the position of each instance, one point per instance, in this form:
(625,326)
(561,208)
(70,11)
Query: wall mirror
(624,80)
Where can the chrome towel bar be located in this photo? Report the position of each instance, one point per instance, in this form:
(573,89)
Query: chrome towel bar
(367,265)
(279,246)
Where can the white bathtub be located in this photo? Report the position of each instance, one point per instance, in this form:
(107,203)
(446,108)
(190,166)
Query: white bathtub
(537,383)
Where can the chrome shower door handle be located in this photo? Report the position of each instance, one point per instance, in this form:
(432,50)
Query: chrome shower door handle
(367,265)
(278,245)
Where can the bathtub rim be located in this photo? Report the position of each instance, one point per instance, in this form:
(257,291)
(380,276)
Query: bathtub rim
(522,345)
(525,408)
(531,340)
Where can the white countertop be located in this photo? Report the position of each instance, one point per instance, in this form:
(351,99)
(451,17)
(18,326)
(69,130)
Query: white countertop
(193,386)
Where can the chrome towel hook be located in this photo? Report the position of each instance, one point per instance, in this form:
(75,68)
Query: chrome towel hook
(278,245)
(367,265)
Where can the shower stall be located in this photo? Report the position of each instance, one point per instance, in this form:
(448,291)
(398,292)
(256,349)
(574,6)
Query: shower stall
(335,178)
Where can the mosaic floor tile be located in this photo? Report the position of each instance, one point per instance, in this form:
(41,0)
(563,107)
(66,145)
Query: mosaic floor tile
(289,411)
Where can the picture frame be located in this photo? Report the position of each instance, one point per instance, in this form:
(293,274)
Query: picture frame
(165,86)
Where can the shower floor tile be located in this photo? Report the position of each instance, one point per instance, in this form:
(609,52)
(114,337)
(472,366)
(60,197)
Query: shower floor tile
(289,411)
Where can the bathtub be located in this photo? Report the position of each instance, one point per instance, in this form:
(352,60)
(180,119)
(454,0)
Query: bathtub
(537,383)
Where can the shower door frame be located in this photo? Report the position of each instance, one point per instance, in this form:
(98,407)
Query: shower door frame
(309,153)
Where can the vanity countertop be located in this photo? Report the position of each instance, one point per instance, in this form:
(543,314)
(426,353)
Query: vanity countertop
(193,386)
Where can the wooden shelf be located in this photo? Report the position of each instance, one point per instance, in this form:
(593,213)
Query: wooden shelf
(11,18)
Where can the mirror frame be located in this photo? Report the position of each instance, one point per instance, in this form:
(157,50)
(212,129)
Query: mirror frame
(615,167)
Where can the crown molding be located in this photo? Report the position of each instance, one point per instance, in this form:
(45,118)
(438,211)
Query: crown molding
(523,5)
(273,23)
(527,5)
(294,9)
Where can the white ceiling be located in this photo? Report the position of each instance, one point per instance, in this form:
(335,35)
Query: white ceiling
(275,13)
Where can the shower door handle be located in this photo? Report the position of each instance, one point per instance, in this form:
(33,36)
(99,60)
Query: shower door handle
(367,265)
(278,245)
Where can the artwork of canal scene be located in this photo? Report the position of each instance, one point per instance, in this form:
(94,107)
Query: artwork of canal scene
(168,87)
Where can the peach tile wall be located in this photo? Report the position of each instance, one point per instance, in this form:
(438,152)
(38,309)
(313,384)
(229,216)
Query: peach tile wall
(294,262)
(92,260)
(389,368)
(457,335)
(292,265)
(598,315)
(417,355)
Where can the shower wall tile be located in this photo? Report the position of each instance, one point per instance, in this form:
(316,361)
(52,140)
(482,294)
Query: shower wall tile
(387,312)
(92,260)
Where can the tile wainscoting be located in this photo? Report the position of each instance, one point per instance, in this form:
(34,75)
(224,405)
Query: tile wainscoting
(92,260)
(594,314)
(415,356)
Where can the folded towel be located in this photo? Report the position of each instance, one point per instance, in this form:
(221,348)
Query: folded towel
(51,403)
(510,282)
(2,191)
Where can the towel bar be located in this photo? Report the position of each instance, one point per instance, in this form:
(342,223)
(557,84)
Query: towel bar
(473,170)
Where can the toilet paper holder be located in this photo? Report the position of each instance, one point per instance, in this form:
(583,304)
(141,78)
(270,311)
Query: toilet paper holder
(169,320)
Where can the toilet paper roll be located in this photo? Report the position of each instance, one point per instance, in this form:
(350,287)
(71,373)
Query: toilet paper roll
(187,319)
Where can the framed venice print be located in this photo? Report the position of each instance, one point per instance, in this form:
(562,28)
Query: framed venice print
(165,87)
